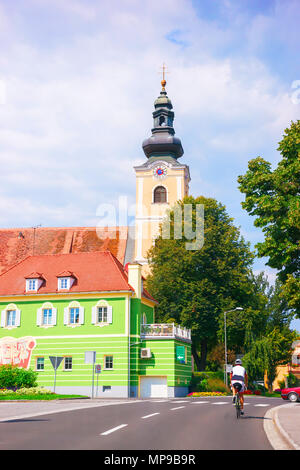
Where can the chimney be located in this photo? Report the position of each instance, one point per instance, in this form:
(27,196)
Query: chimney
(135,278)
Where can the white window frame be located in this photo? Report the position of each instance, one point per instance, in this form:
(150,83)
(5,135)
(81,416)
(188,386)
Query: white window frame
(4,314)
(31,285)
(112,362)
(68,369)
(95,313)
(67,314)
(40,315)
(36,363)
(67,280)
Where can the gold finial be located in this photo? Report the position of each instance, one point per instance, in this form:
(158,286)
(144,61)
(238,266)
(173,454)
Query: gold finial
(163,82)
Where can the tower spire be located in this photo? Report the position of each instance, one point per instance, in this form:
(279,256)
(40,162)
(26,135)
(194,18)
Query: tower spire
(163,82)
(162,142)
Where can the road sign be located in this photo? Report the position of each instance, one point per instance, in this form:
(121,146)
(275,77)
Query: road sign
(90,357)
(98,368)
(55,361)
(228,367)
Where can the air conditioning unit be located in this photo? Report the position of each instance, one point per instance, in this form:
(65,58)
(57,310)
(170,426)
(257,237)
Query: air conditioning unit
(145,353)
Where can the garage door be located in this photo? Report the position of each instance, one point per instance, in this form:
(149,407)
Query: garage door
(153,387)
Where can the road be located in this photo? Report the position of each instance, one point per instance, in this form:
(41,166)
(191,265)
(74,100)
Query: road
(166,424)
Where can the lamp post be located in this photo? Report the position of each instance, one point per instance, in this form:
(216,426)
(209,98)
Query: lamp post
(225,340)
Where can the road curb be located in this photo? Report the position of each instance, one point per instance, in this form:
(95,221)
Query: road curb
(278,437)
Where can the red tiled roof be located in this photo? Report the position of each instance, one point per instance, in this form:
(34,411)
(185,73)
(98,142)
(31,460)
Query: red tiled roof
(95,272)
(18,243)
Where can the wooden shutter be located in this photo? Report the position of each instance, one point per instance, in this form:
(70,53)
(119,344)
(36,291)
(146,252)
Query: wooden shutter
(66,316)
(81,315)
(3,318)
(54,316)
(18,317)
(109,314)
(39,316)
(94,315)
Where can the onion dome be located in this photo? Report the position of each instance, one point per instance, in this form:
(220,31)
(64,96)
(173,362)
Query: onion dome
(162,141)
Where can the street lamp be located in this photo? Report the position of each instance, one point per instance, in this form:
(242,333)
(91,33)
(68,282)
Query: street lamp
(232,310)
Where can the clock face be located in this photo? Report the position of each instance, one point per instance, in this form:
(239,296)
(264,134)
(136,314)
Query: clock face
(160,172)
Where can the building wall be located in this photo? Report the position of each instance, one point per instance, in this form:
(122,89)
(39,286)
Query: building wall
(163,363)
(73,341)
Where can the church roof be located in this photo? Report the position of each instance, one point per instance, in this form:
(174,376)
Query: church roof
(18,243)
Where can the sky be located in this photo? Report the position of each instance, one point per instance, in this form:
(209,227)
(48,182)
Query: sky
(78,79)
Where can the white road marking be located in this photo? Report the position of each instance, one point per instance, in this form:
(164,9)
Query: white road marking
(177,408)
(113,429)
(260,404)
(220,403)
(179,401)
(149,416)
(158,401)
(197,402)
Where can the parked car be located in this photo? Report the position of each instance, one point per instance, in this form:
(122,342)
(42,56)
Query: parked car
(292,394)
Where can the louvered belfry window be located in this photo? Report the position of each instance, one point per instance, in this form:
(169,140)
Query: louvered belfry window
(160,194)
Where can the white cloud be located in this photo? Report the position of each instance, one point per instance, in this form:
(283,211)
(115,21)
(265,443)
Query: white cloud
(79,104)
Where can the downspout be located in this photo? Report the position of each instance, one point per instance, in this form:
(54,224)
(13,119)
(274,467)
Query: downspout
(129,316)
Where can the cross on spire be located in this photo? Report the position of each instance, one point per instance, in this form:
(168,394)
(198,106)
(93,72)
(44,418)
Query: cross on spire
(163,82)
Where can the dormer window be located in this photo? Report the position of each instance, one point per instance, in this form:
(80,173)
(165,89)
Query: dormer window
(63,283)
(34,282)
(65,280)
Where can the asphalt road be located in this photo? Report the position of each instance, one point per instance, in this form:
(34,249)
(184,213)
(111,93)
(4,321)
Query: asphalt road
(170,424)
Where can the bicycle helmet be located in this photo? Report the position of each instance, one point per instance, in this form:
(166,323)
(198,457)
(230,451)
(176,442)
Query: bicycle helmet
(238,362)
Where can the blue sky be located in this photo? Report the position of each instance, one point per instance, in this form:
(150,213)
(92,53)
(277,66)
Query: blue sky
(78,79)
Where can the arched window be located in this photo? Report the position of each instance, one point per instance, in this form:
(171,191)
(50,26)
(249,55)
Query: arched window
(160,194)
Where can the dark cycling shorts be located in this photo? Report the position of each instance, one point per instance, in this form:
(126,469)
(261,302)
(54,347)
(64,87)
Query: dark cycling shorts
(238,386)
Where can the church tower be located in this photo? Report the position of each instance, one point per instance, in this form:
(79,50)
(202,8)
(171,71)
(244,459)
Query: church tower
(161,180)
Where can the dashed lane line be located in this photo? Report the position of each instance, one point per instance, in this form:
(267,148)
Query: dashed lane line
(177,408)
(113,430)
(149,416)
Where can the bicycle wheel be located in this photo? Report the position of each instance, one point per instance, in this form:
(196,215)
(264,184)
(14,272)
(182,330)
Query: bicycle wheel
(238,406)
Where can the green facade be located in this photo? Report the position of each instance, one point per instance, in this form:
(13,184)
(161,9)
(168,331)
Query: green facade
(112,342)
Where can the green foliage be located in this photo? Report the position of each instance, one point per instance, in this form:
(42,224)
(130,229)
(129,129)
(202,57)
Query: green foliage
(196,286)
(292,380)
(208,382)
(12,377)
(267,353)
(273,198)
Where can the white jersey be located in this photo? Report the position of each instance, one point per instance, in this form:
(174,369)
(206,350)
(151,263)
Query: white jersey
(238,374)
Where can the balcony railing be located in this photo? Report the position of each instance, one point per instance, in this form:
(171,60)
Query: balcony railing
(164,330)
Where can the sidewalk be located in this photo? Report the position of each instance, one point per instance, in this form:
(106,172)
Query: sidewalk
(11,410)
(282,426)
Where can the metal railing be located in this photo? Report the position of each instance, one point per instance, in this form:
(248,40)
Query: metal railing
(165,330)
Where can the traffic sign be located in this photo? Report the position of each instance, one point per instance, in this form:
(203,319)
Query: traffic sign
(55,361)
(98,368)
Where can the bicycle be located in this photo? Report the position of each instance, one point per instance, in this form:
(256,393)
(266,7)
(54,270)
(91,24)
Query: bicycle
(237,400)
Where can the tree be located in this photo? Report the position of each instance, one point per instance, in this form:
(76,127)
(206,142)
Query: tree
(267,353)
(273,198)
(196,286)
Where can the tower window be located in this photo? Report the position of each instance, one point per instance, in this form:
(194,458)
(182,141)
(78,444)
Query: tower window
(160,194)
(162,121)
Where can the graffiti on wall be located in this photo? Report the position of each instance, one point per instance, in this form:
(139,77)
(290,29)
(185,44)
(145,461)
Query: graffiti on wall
(16,351)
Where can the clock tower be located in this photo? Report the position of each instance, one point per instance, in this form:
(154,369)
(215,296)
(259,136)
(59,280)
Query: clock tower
(161,180)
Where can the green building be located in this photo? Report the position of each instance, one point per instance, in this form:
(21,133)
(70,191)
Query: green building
(67,305)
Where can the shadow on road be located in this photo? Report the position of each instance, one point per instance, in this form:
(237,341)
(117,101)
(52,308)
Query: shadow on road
(24,420)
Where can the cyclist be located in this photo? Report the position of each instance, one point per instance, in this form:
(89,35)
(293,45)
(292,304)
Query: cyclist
(239,381)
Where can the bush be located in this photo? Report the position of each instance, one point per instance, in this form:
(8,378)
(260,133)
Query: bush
(208,382)
(27,391)
(12,377)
